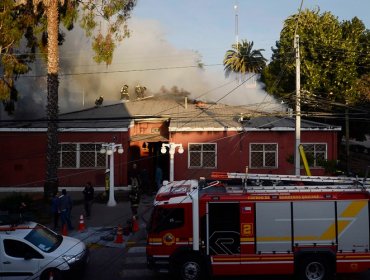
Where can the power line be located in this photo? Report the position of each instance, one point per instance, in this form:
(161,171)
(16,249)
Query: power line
(120,71)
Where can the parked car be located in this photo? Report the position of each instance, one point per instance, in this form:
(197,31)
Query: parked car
(33,251)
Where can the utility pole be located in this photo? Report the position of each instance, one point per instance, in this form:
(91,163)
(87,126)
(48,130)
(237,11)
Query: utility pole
(348,165)
(297,159)
(236,26)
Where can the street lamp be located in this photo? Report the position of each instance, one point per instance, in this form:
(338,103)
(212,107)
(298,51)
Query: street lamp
(110,149)
(172,147)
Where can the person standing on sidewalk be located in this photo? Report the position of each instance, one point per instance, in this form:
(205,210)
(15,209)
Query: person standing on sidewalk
(134,197)
(158,178)
(134,176)
(88,193)
(55,209)
(65,207)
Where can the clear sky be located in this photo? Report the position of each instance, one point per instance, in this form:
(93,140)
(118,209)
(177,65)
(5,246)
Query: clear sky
(168,38)
(208,26)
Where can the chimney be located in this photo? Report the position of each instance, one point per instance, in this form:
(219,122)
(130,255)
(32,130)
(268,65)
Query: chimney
(186,102)
(200,104)
(290,112)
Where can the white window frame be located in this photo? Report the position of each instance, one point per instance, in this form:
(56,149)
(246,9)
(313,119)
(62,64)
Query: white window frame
(78,155)
(264,157)
(315,164)
(201,156)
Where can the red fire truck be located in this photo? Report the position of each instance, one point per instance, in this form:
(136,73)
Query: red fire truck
(236,224)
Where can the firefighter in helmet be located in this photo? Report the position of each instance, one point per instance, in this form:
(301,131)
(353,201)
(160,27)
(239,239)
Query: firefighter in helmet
(134,197)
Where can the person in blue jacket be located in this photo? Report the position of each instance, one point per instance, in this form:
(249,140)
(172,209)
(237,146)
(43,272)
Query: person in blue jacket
(88,193)
(65,207)
(55,209)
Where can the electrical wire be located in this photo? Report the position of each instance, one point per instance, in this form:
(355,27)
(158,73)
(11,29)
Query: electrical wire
(188,66)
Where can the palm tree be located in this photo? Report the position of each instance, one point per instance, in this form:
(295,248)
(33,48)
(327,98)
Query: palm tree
(52,109)
(122,8)
(114,12)
(243,59)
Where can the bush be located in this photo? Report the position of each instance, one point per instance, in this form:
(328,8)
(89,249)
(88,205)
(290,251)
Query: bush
(12,202)
(35,209)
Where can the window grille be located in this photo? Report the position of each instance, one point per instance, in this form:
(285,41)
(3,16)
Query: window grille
(68,153)
(81,155)
(315,153)
(202,155)
(263,155)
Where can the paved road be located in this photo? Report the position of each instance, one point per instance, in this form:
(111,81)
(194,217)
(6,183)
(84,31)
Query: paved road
(129,263)
(108,259)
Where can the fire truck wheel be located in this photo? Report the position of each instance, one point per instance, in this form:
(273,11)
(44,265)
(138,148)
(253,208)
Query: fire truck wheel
(190,268)
(315,268)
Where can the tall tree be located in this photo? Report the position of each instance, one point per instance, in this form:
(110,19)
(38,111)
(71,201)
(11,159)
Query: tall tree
(243,59)
(334,55)
(52,110)
(113,12)
(16,22)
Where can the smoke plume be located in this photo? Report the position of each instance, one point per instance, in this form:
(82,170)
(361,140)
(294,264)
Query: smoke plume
(146,59)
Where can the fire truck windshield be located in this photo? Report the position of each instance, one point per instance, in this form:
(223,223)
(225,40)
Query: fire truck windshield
(165,219)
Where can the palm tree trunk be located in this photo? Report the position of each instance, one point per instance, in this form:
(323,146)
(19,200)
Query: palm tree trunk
(51,183)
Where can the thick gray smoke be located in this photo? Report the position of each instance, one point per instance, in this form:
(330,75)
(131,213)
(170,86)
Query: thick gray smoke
(146,59)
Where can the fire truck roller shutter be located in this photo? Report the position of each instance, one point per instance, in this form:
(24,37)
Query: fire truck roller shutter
(352,216)
(273,227)
(314,223)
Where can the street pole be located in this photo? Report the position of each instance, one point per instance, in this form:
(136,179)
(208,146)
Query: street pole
(172,166)
(110,149)
(111,201)
(171,150)
(297,159)
(348,165)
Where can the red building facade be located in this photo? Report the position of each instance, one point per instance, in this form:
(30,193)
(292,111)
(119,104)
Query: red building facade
(214,139)
(234,151)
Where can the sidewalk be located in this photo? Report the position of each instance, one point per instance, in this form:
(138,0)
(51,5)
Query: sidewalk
(101,227)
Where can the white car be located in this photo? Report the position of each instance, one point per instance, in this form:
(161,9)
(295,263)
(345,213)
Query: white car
(33,251)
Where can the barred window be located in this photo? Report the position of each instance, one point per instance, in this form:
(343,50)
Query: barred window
(81,155)
(67,155)
(263,155)
(315,154)
(202,155)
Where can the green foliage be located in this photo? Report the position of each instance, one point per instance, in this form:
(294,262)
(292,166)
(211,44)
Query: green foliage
(16,23)
(36,209)
(114,13)
(69,14)
(363,86)
(290,159)
(25,21)
(12,202)
(243,59)
(331,55)
(103,47)
(330,166)
(87,22)
(335,60)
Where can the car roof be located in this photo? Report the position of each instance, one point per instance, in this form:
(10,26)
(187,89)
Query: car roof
(19,230)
